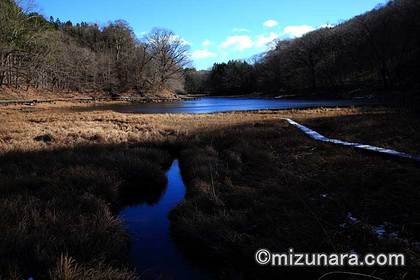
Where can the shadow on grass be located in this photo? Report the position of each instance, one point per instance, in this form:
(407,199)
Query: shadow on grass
(265,185)
(389,129)
(259,185)
(58,208)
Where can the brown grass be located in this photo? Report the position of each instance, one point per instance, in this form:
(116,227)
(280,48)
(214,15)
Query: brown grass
(62,201)
(11,93)
(253,181)
(68,269)
(389,129)
(268,186)
(72,127)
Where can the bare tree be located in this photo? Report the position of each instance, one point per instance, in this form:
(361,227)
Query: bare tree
(169,56)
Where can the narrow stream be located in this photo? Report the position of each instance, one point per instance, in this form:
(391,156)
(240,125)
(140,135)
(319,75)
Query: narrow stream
(153,252)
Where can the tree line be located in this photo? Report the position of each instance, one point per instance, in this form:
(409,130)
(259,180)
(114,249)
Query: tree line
(379,49)
(54,55)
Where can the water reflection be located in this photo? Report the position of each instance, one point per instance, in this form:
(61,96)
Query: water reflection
(138,193)
(153,252)
(219,104)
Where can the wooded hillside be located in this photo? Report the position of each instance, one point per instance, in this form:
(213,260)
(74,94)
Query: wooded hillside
(378,50)
(53,55)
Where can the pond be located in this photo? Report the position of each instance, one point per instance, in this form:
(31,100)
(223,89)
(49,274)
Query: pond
(153,253)
(225,104)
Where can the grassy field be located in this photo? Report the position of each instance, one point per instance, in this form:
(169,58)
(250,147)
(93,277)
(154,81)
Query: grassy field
(396,129)
(253,182)
(267,186)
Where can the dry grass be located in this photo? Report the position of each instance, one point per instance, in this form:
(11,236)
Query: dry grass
(266,185)
(62,201)
(390,129)
(61,178)
(63,172)
(11,93)
(68,127)
(68,269)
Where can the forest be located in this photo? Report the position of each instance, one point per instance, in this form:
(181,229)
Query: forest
(377,50)
(58,56)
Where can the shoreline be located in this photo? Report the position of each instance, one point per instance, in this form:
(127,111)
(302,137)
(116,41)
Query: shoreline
(89,100)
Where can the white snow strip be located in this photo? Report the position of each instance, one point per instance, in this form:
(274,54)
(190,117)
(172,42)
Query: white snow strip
(315,135)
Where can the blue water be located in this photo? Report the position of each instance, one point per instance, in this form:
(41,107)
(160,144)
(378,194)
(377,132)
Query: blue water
(220,104)
(153,253)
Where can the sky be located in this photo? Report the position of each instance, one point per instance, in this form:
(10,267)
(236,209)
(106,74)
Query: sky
(215,30)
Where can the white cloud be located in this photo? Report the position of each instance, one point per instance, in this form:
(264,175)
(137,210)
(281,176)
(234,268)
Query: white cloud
(206,43)
(294,31)
(237,42)
(266,40)
(240,30)
(201,54)
(270,23)
(176,38)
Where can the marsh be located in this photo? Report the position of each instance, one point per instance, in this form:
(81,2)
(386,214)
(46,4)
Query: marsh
(144,140)
(243,172)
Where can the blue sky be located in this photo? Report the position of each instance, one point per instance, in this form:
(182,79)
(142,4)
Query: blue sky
(216,30)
